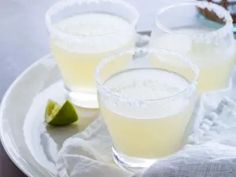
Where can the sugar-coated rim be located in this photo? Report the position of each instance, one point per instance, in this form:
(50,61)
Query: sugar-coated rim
(228,26)
(57,7)
(102,88)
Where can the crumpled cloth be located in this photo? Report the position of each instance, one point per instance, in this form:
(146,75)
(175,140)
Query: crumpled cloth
(207,160)
(210,150)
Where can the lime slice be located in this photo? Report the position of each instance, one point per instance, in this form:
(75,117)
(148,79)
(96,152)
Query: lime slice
(57,115)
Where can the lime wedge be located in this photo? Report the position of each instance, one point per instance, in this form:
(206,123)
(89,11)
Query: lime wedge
(57,115)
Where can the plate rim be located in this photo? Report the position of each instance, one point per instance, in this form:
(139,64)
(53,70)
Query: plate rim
(8,147)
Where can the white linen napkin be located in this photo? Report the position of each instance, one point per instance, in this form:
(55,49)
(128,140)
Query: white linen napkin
(210,150)
(88,154)
(206,160)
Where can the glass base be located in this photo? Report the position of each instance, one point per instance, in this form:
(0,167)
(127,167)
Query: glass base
(83,99)
(132,164)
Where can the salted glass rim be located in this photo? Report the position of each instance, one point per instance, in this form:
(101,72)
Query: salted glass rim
(101,87)
(59,6)
(219,10)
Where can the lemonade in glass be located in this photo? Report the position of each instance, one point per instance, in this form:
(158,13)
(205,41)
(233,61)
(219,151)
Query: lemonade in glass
(146,103)
(207,40)
(81,34)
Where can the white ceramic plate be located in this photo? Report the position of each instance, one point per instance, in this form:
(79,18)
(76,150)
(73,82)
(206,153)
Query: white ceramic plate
(30,143)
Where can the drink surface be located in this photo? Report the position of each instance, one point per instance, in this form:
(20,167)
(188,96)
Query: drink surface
(92,37)
(152,130)
(215,61)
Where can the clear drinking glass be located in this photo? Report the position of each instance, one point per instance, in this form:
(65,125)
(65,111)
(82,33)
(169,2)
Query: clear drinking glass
(82,32)
(204,33)
(146,102)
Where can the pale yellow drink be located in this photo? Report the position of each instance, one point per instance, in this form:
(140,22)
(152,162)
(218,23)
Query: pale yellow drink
(149,130)
(93,36)
(215,60)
